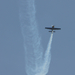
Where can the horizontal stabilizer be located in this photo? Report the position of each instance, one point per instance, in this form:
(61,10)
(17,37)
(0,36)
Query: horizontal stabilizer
(51,31)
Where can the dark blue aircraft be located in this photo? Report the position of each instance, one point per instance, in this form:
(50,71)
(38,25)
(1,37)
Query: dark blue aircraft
(52,28)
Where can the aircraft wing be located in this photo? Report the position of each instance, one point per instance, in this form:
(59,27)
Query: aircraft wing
(48,28)
(52,28)
(56,28)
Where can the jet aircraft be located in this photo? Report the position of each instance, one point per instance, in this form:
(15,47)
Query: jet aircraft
(52,28)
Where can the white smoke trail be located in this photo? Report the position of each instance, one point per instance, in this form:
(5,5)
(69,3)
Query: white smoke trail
(48,55)
(36,62)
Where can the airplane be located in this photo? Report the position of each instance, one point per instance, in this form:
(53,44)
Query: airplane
(52,28)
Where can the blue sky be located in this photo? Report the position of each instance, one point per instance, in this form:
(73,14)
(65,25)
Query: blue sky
(61,13)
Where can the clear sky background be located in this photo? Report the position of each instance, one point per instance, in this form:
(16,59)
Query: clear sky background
(61,13)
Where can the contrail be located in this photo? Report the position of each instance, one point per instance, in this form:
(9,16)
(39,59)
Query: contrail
(37,63)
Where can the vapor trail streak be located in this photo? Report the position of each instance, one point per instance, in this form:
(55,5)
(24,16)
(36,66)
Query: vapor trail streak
(48,55)
(36,62)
